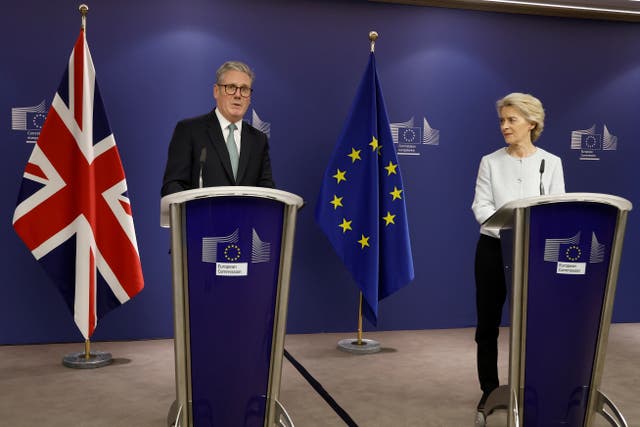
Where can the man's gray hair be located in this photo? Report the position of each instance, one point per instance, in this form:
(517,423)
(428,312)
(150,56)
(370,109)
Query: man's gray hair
(234,65)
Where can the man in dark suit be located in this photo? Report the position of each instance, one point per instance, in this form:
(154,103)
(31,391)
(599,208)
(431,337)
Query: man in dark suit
(218,148)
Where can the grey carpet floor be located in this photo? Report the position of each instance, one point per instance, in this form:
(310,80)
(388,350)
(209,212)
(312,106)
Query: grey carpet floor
(420,378)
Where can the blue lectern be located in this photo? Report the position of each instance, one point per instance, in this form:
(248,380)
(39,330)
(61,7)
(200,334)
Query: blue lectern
(231,253)
(562,255)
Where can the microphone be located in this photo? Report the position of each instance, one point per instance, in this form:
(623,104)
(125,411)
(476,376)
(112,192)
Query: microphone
(541,172)
(203,158)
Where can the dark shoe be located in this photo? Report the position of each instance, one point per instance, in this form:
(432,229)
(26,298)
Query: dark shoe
(483,400)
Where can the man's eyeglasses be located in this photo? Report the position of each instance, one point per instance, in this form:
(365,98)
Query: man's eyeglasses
(231,89)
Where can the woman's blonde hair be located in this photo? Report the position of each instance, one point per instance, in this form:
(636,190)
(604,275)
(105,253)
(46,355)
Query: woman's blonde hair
(529,106)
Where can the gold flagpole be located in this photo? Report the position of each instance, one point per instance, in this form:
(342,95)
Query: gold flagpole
(373,36)
(360,320)
(360,345)
(84,9)
(86,360)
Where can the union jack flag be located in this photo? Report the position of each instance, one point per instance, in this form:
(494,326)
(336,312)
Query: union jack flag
(73,210)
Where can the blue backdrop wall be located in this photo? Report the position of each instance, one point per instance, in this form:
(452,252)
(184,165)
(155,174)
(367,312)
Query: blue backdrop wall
(156,64)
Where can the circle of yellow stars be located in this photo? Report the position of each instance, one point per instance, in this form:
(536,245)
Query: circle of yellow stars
(573,253)
(341,175)
(229,256)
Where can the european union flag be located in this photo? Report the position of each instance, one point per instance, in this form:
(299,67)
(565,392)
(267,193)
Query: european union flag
(591,142)
(571,252)
(361,207)
(409,135)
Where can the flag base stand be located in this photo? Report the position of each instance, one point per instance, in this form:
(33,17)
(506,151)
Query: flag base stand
(364,346)
(96,359)
(87,359)
(359,345)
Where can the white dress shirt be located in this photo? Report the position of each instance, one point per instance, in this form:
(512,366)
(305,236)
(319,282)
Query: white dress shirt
(503,178)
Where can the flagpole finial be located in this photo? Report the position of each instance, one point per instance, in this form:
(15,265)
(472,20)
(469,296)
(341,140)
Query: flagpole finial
(84,9)
(373,36)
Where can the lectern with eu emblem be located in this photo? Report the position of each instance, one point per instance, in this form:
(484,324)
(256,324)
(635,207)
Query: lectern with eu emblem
(231,251)
(561,255)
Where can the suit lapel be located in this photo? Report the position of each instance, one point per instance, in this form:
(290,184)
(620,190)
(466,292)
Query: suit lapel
(220,146)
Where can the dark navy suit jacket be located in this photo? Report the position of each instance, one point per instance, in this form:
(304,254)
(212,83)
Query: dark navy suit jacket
(185,150)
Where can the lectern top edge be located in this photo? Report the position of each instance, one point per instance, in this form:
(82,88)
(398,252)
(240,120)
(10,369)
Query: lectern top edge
(502,217)
(233,190)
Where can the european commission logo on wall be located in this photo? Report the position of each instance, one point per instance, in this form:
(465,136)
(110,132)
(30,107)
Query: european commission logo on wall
(262,126)
(231,256)
(29,120)
(592,144)
(572,257)
(411,139)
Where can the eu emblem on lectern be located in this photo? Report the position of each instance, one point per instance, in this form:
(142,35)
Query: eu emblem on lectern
(571,256)
(232,255)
